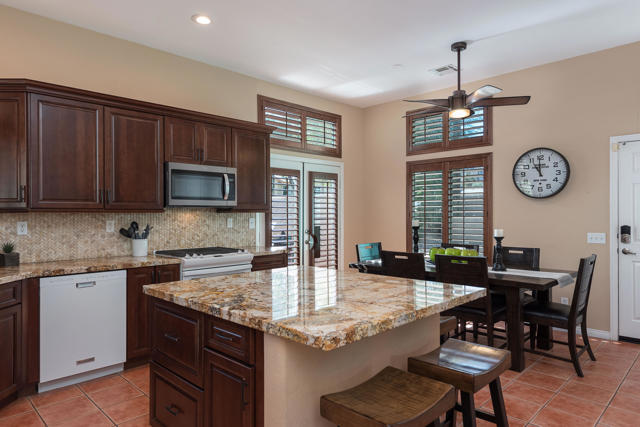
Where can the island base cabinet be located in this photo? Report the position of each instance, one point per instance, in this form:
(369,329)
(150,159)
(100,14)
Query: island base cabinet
(174,402)
(10,332)
(229,392)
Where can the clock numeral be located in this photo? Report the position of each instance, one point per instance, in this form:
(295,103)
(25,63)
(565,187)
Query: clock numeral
(523,174)
(558,172)
(555,164)
(540,156)
(555,179)
(548,186)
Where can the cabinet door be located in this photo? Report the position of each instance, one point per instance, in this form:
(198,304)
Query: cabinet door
(251,158)
(229,397)
(133,160)
(13,150)
(215,145)
(10,350)
(66,153)
(181,141)
(167,273)
(138,315)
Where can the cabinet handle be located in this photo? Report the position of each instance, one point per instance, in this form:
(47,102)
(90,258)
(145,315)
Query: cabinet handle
(22,191)
(108,196)
(153,276)
(85,285)
(226,335)
(87,360)
(173,409)
(99,196)
(202,154)
(171,337)
(244,386)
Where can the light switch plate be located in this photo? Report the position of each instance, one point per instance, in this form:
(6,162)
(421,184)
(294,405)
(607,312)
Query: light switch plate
(22,228)
(598,238)
(229,222)
(111,226)
(252,223)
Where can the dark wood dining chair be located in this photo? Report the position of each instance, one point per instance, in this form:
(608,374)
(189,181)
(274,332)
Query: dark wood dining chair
(368,251)
(403,264)
(456,245)
(471,271)
(520,258)
(566,316)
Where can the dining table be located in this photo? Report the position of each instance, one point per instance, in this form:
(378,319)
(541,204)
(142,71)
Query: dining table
(510,284)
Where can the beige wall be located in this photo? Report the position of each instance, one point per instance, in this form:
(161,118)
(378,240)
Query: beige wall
(576,105)
(41,49)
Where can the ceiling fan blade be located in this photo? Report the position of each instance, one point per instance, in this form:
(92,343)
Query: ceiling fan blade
(498,102)
(438,102)
(482,93)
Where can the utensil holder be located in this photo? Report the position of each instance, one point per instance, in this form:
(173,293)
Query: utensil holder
(140,247)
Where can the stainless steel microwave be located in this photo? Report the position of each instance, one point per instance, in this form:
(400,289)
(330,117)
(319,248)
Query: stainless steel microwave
(199,185)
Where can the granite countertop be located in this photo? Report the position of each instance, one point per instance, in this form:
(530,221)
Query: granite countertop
(322,308)
(264,250)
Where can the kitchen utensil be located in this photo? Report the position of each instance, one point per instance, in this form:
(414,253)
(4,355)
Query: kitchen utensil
(125,233)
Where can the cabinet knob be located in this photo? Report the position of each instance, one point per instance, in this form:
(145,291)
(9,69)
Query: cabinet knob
(173,409)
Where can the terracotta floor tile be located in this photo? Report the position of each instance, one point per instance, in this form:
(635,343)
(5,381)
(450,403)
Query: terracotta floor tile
(612,360)
(552,417)
(482,396)
(630,386)
(142,421)
(101,383)
(19,406)
(628,401)
(137,375)
(517,408)
(112,395)
(509,375)
(67,410)
(128,410)
(600,381)
(583,408)
(54,396)
(587,392)
(28,419)
(93,419)
(599,368)
(541,380)
(528,392)
(633,375)
(616,417)
(561,371)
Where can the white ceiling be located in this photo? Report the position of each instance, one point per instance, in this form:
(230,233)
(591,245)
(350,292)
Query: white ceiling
(346,49)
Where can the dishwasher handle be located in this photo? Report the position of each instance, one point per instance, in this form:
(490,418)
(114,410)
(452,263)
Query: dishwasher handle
(82,285)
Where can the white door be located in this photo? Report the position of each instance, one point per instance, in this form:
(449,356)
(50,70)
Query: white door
(629,253)
(306,205)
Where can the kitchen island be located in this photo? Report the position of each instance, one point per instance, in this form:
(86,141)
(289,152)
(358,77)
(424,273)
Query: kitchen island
(261,348)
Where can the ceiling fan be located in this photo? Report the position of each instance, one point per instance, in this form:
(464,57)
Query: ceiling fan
(460,105)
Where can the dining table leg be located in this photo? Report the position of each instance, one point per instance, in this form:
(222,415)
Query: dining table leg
(544,340)
(515,328)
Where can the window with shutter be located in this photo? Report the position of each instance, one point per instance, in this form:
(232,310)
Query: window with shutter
(323,199)
(301,128)
(285,212)
(432,130)
(451,199)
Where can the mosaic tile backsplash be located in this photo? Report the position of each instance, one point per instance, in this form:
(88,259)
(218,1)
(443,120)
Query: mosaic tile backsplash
(63,236)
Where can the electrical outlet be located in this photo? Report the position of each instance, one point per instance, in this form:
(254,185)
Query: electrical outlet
(252,223)
(22,228)
(598,238)
(229,222)
(111,226)
(564,300)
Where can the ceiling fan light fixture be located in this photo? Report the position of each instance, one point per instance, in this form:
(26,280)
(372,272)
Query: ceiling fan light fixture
(459,113)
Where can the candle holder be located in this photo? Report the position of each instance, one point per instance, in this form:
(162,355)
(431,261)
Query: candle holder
(416,238)
(498,265)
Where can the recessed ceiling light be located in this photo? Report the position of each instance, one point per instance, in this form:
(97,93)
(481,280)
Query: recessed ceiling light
(201,19)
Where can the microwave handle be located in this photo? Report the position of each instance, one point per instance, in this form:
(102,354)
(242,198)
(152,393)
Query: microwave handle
(226,187)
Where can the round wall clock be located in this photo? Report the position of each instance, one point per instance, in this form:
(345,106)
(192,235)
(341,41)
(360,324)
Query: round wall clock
(540,173)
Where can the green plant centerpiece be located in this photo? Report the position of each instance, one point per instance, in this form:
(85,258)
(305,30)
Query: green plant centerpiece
(8,257)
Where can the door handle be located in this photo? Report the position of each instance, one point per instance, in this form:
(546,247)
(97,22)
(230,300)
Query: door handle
(627,252)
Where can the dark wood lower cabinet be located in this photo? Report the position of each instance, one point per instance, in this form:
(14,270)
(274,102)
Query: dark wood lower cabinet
(174,401)
(267,262)
(10,351)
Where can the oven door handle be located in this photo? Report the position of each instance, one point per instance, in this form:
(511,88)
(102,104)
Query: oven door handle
(226,187)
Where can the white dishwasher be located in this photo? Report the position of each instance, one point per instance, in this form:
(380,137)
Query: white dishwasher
(82,325)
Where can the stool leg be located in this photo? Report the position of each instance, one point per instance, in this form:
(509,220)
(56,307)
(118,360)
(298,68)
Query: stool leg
(475,331)
(498,403)
(435,423)
(450,419)
(468,409)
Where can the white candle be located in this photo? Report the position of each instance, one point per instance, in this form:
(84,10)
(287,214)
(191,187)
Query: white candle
(498,232)
(415,223)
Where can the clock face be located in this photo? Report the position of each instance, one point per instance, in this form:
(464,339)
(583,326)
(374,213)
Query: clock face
(540,173)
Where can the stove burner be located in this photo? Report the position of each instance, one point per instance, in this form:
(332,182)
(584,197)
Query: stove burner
(198,252)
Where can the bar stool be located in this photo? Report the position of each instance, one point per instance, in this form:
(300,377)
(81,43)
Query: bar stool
(391,398)
(447,324)
(468,367)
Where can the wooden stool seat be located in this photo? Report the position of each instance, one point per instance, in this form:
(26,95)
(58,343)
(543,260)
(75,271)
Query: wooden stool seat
(391,398)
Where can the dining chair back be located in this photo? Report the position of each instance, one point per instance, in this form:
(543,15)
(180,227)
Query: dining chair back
(462,270)
(520,258)
(582,288)
(368,251)
(456,245)
(403,264)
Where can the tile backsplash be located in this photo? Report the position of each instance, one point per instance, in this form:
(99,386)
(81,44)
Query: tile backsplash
(62,236)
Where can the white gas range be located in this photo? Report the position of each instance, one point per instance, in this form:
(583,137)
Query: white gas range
(209,262)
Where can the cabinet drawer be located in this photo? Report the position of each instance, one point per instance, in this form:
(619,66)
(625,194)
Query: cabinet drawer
(178,340)
(267,262)
(10,294)
(231,339)
(174,402)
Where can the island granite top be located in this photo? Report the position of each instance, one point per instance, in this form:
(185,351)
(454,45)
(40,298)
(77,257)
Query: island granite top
(318,307)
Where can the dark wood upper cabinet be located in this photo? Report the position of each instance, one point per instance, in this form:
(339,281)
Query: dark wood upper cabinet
(66,153)
(251,158)
(13,150)
(181,140)
(133,160)
(215,145)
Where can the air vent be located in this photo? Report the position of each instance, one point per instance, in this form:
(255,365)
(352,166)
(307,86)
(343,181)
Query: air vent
(444,70)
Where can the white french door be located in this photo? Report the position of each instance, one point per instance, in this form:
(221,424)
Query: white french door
(629,250)
(307,210)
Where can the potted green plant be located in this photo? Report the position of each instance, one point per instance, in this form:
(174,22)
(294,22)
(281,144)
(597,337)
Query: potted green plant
(8,257)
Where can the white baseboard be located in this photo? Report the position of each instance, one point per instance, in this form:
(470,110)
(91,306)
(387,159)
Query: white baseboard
(595,333)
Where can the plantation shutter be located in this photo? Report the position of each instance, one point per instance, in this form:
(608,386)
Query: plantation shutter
(466,206)
(470,127)
(427,129)
(426,207)
(323,199)
(321,132)
(288,123)
(285,212)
